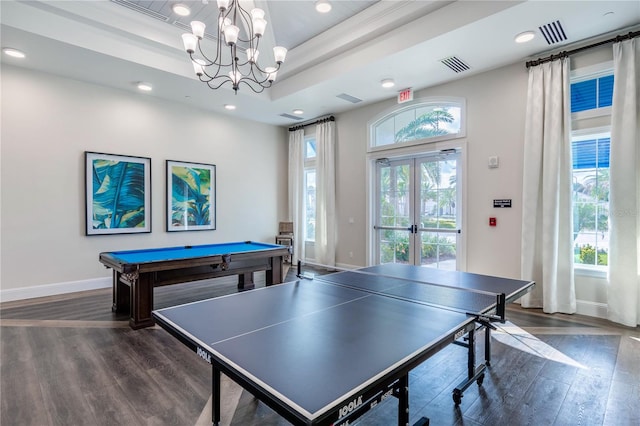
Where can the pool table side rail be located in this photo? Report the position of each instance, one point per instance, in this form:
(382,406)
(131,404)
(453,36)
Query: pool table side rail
(119,265)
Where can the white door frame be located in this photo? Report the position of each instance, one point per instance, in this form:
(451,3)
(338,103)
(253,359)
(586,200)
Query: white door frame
(461,146)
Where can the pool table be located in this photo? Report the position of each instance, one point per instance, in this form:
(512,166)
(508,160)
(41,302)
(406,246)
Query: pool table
(137,272)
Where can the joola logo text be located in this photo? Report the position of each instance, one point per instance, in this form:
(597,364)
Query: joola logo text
(204,355)
(351,406)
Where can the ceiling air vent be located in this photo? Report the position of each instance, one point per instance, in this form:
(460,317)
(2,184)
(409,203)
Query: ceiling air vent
(455,64)
(349,98)
(129,4)
(553,32)
(292,117)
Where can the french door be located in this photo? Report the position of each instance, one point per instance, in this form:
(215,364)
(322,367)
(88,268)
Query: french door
(417,210)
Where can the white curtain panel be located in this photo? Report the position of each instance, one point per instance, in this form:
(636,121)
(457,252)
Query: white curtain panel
(547,224)
(325,246)
(624,189)
(296,192)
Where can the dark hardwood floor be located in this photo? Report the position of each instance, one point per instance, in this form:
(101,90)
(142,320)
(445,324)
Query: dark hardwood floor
(68,360)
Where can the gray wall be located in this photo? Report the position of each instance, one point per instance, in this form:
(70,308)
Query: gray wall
(47,124)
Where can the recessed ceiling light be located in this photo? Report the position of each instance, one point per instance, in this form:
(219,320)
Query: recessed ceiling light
(387,83)
(14,53)
(298,111)
(181,9)
(229,107)
(525,37)
(323,6)
(145,87)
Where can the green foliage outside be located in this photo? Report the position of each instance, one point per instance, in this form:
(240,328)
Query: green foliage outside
(591,215)
(398,250)
(586,255)
(425,126)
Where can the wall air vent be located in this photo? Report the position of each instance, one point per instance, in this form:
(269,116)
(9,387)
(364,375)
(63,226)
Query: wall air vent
(292,117)
(553,32)
(455,64)
(131,5)
(349,98)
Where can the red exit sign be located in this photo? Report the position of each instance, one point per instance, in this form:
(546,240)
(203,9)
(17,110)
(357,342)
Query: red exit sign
(405,95)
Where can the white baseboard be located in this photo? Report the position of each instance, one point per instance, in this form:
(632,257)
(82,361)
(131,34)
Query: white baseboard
(12,294)
(592,309)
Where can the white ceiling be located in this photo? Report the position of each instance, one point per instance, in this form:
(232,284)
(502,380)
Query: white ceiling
(348,51)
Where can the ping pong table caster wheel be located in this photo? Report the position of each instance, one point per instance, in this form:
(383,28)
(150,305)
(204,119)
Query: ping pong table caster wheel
(480,380)
(457,396)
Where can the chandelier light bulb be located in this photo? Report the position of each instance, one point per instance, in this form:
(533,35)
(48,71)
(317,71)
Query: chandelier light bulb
(223,22)
(279,53)
(198,29)
(252,55)
(198,68)
(223,4)
(235,77)
(231,34)
(257,13)
(271,73)
(190,42)
(259,25)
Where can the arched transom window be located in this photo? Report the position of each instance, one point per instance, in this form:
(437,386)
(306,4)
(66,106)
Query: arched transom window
(423,121)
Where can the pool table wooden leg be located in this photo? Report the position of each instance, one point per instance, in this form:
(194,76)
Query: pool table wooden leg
(274,275)
(142,301)
(245,281)
(121,295)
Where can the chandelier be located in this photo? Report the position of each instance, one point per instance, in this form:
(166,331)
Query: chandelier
(230,64)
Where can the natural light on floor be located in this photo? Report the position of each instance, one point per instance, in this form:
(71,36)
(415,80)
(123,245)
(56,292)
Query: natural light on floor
(514,336)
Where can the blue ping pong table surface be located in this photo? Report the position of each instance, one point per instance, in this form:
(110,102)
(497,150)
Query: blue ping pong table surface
(310,347)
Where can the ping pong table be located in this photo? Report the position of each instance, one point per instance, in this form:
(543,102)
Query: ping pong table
(324,351)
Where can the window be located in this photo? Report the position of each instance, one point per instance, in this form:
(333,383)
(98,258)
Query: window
(591,95)
(591,199)
(310,188)
(424,121)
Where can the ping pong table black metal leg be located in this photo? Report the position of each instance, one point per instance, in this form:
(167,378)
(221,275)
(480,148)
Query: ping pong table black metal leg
(403,401)
(487,346)
(471,354)
(474,374)
(215,396)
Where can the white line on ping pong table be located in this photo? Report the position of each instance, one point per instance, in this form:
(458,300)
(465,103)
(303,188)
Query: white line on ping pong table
(417,301)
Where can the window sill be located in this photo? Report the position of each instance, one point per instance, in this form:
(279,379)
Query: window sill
(586,271)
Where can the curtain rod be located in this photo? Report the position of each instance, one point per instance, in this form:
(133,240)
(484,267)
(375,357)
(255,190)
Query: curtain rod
(566,53)
(320,120)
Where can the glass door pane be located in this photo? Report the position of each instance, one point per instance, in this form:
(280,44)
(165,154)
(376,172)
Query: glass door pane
(438,211)
(394,212)
(417,210)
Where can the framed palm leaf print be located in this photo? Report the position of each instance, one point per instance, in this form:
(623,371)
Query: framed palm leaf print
(191,196)
(118,194)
